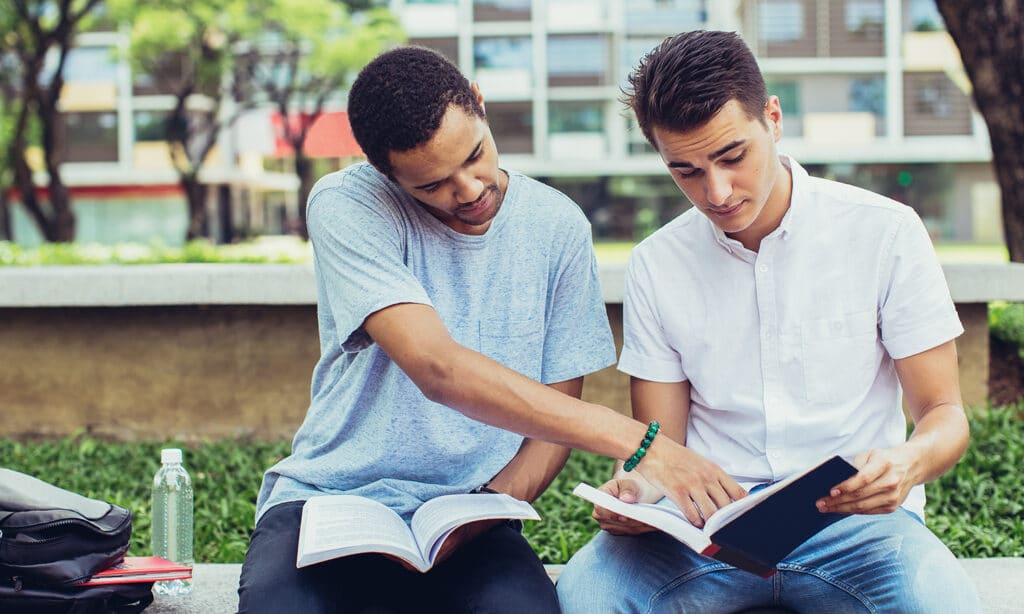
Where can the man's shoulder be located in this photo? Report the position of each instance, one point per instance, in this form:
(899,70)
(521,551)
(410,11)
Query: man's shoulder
(838,195)
(686,229)
(537,194)
(359,178)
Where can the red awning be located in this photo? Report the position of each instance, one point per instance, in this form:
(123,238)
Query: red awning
(329,137)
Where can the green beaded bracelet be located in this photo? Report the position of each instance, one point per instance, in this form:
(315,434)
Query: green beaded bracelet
(652,430)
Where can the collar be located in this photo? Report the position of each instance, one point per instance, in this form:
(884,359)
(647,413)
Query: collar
(797,201)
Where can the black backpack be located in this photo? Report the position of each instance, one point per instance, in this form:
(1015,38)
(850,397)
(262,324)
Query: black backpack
(51,539)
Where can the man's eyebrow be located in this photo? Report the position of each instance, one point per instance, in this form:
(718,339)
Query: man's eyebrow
(473,154)
(713,155)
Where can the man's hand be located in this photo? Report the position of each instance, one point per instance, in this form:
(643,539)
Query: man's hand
(883,481)
(698,486)
(628,490)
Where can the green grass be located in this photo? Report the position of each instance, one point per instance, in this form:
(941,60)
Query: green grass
(977,508)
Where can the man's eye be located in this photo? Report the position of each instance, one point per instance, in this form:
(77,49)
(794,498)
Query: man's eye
(737,159)
(432,189)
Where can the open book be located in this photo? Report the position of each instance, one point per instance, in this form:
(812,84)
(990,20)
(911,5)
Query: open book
(753,533)
(341,525)
(140,569)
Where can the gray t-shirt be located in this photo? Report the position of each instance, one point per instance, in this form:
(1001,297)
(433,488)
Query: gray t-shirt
(526,293)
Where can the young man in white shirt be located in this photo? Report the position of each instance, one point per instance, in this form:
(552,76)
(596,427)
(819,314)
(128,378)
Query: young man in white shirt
(767,328)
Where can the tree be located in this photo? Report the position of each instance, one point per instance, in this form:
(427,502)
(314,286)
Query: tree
(307,56)
(37,29)
(990,37)
(185,46)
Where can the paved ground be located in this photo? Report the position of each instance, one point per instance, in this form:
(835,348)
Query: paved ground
(999,580)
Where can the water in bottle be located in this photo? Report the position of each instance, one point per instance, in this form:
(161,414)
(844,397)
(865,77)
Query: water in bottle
(172,518)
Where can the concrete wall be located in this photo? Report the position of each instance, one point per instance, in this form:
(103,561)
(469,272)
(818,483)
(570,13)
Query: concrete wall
(209,351)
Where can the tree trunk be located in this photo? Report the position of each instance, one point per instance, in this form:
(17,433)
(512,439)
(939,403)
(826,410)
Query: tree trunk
(195,195)
(990,37)
(304,169)
(6,232)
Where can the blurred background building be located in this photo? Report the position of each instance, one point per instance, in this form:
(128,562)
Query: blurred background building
(872,91)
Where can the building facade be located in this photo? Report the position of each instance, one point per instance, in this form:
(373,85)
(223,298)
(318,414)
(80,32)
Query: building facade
(872,92)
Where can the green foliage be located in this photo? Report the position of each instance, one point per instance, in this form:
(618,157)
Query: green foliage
(977,508)
(1006,321)
(200,251)
(226,476)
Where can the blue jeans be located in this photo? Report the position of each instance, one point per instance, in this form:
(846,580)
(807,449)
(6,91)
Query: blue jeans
(863,563)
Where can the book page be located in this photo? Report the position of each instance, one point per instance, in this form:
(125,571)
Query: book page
(669,520)
(340,525)
(437,518)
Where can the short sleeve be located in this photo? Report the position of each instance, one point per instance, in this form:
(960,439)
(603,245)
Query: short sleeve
(915,307)
(646,353)
(578,339)
(359,261)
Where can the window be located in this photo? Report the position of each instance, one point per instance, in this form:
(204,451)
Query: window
(150,126)
(448,47)
(667,16)
(781,21)
(632,51)
(89,137)
(501,10)
(868,95)
(575,117)
(503,53)
(512,126)
(578,60)
(922,16)
(788,93)
(865,18)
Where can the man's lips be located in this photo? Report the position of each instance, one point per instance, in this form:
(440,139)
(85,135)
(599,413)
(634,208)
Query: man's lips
(480,205)
(733,210)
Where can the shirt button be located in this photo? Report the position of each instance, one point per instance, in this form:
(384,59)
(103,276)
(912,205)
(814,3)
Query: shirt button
(763,268)
(775,454)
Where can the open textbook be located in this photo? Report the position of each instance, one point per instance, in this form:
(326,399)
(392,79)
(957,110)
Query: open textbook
(753,533)
(334,526)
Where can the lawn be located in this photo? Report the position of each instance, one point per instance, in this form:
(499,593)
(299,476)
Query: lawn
(977,509)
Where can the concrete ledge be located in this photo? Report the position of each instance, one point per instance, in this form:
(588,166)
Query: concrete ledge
(215,588)
(294,284)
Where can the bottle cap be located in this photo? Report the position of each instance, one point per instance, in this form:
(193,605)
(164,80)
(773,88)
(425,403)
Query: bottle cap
(170,455)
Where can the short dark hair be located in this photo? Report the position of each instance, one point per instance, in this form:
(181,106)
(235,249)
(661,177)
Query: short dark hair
(398,100)
(683,82)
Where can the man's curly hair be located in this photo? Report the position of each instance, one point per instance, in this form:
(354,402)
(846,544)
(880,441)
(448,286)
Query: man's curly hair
(398,100)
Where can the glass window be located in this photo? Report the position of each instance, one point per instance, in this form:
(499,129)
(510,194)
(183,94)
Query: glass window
(501,10)
(503,53)
(788,93)
(868,95)
(448,47)
(150,126)
(578,60)
(512,126)
(922,16)
(668,16)
(575,116)
(632,51)
(934,105)
(865,17)
(781,21)
(89,137)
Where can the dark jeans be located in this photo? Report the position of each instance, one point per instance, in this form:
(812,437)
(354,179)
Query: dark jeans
(497,572)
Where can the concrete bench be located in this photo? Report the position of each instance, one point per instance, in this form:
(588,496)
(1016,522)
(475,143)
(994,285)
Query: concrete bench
(214,589)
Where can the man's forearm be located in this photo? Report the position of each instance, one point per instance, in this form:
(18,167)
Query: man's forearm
(939,439)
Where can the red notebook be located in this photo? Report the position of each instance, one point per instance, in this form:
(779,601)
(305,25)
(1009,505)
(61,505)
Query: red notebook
(140,569)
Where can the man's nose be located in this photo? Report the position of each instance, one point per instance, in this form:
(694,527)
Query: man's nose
(468,188)
(719,187)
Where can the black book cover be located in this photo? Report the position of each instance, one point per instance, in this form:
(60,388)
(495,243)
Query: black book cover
(771,530)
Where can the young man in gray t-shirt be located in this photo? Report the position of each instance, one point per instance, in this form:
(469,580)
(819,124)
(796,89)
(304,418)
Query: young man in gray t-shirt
(449,292)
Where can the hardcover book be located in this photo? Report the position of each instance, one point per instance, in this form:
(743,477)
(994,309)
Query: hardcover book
(753,533)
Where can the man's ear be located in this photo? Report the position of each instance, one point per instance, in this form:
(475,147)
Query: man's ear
(773,116)
(479,96)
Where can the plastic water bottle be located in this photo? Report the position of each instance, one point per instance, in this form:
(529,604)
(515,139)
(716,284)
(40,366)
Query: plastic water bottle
(172,518)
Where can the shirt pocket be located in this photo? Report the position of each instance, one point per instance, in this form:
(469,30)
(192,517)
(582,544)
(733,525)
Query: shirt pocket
(516,343)
(840,356)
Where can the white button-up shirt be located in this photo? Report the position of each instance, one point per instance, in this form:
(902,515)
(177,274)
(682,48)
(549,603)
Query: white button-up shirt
(789,350)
